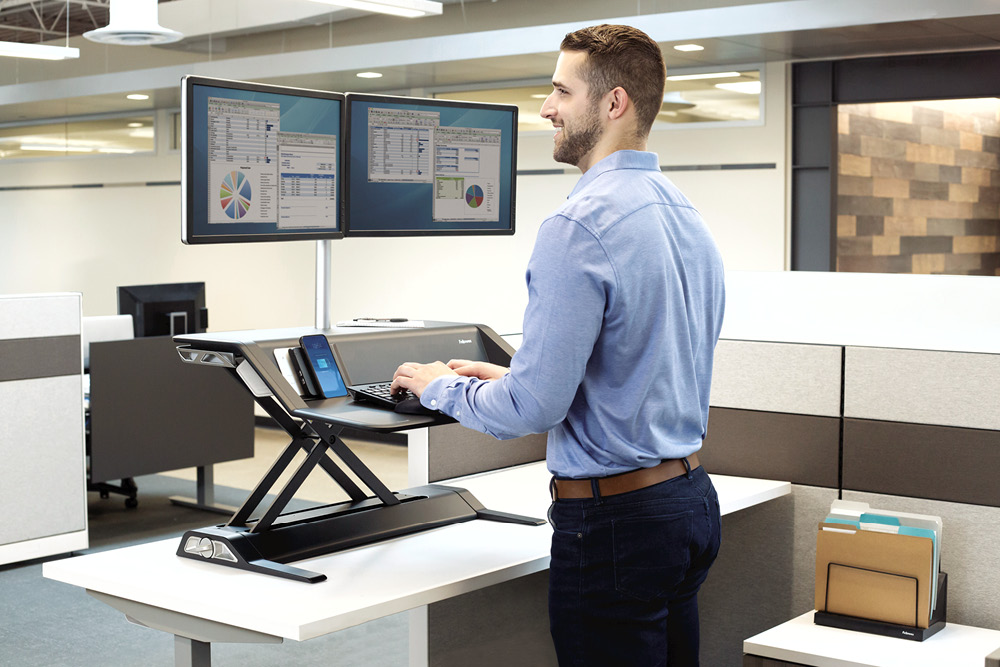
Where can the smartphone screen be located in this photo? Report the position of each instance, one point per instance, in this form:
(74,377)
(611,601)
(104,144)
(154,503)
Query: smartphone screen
(325,371)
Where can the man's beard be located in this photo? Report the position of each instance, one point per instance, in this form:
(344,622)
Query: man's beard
(577,142)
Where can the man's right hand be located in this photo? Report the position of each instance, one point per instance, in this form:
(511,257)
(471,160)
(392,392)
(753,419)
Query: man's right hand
(478,369)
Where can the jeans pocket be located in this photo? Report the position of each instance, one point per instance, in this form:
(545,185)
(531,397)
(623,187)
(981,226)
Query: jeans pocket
(651,554)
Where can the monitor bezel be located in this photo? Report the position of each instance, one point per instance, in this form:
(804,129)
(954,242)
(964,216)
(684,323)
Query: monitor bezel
(188,235)
(401,99)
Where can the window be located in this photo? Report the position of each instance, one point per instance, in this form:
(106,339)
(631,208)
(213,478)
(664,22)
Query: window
(118,135)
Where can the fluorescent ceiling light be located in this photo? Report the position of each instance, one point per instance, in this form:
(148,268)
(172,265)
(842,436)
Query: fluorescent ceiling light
(707,75)
(539,96)
(369,75)
(689,47)
(748,87)
(39,51)
(135,124)
(59,148)
(410,9)
(137,96)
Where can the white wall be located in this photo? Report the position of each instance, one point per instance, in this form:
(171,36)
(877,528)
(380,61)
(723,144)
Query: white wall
(93,239)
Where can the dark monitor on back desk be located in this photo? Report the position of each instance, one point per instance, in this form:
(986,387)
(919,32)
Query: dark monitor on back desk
(171,309)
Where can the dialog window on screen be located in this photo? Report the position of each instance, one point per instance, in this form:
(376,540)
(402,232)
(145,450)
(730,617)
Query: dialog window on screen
(263,175)
(462,163)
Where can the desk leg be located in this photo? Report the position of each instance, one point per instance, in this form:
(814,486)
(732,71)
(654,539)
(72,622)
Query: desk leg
(205,493)
(191,652)
(419,648)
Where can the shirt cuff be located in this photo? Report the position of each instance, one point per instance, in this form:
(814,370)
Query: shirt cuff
(433,396)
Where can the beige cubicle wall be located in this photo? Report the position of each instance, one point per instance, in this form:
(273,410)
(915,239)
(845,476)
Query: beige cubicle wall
(42,480)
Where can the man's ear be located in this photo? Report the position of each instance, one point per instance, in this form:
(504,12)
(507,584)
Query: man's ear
(618,102)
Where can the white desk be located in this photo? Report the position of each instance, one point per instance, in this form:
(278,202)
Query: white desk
(801,641)
(201,603)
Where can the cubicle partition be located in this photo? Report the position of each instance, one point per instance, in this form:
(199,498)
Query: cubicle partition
(880,388)
(42,478)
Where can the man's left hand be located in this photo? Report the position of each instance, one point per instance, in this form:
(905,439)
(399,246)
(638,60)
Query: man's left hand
(416,377)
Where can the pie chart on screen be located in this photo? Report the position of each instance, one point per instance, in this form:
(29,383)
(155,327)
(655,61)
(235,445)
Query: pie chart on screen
(235,195)
(474,196)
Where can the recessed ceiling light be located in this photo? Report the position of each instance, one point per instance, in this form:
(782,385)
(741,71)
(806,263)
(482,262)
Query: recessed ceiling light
(748,87)
(706,75)
(135,124)
(539,96)
(137,96)
(689,47)
(369,75)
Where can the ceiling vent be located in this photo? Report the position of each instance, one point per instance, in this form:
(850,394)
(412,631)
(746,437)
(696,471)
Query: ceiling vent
(133,23)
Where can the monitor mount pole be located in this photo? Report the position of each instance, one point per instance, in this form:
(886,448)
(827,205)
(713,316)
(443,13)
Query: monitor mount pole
(324,261)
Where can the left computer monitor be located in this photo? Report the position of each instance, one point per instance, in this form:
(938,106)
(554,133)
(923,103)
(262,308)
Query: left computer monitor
(259,162)
(171,309)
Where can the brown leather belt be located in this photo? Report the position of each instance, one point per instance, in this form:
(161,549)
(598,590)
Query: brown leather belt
(634,480)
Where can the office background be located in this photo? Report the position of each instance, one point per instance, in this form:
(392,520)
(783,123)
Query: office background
(90,223)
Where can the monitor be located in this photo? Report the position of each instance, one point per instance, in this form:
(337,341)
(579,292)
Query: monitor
(172,309)
(259,162)
(429,167)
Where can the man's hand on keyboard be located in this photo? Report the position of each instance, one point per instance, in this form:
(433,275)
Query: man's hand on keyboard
(416,377)
(478,369)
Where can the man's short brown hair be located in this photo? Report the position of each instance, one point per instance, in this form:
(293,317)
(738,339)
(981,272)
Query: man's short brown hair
(620,55)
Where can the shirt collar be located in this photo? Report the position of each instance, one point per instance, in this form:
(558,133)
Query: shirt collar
(618,160)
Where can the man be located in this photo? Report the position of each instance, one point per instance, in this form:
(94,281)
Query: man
(625,303)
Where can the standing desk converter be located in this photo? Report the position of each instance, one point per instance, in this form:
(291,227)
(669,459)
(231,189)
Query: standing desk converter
(267,544)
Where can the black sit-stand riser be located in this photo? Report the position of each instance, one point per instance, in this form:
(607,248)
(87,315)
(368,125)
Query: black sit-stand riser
(267,544)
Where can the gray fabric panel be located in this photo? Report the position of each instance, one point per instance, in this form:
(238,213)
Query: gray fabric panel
(150,412)
(970,554)
(27,358)
(777,377)
(923,387)
(32,316)
(42,487)
(498,626)
(937,462)
(768,445)
(456,451)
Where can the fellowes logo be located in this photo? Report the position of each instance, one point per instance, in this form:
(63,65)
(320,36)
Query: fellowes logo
(464,341)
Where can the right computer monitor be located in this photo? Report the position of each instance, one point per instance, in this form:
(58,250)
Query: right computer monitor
(429,167)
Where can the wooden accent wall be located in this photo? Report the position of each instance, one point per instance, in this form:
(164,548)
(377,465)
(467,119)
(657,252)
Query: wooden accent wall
(918,188)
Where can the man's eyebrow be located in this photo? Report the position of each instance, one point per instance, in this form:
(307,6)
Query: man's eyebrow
(557,84)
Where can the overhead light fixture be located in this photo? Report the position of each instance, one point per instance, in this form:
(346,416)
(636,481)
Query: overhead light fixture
(706,75)
(137,96)
(133,23)
(57,148)
(747,87)
(135,124)
(410,9)
(539,96)
(674,101)
(369,75)
(38,51)
(689,47)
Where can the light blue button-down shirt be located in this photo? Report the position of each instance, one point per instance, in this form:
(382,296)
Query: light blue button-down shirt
(625,303)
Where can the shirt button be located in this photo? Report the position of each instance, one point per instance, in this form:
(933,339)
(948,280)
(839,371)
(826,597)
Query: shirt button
(458,414)
(433,402)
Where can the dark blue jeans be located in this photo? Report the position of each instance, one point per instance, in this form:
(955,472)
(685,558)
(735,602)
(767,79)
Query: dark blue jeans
(625,574)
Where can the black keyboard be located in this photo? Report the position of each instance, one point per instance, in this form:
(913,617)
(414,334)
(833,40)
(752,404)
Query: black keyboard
(378,393)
